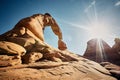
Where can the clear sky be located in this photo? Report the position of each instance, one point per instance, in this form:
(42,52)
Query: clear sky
(79,20)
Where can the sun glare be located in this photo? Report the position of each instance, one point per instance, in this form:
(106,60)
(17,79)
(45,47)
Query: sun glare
(98,30)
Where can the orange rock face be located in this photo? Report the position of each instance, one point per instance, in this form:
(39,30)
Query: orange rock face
(27,41)
(11,48)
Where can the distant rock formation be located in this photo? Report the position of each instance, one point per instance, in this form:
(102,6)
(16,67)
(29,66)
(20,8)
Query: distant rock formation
(115,57)
(25,56)
(99,51)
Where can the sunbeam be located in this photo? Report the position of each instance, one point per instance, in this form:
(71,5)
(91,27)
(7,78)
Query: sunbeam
(100,52)
(103,51)
(98,30)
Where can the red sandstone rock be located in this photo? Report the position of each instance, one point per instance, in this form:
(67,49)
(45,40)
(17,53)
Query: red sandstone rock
(115,57)
(103,52)
(97,50)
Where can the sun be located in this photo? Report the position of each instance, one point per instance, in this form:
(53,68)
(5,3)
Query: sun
(98,30)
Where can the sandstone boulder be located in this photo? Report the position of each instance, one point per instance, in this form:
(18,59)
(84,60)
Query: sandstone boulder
(32,57)
(62,45)
(11,48)
(26,41)
(9,60)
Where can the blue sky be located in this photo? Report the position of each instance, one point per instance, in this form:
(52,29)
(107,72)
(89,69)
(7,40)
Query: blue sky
(79,20)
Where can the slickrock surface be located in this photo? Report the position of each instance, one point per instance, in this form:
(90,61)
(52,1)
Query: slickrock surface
(75,70)
(113,69)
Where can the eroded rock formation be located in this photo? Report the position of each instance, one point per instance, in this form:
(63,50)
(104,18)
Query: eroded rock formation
(97,50)
(27,41)
(100,51)
(115,57)
(6,60)
(24,44)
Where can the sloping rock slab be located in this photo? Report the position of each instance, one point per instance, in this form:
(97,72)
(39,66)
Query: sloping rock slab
(75,70)
(114,69)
